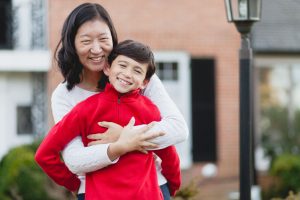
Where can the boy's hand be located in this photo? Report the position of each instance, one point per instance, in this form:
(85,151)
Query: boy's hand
(136,139)
(111,135)
(133,140)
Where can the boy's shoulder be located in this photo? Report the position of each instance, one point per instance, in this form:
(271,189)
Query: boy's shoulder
(147,103)
(146,100)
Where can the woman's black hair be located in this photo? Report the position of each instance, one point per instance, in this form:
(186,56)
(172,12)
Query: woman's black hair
(66,56)
(136,51)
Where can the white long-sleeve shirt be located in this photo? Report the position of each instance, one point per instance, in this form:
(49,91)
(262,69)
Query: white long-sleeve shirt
(81,160)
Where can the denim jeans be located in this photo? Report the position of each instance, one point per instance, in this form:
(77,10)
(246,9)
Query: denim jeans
(80,196)
(165,191)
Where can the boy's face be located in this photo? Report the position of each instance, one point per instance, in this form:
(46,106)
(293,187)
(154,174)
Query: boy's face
(126,74)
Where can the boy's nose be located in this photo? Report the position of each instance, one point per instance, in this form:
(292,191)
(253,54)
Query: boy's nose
(127,72)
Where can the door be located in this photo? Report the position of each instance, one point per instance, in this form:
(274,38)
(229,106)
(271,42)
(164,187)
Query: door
(174,71)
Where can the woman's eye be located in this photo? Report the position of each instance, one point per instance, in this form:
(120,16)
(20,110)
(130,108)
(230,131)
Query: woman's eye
(85,41)
(104,39)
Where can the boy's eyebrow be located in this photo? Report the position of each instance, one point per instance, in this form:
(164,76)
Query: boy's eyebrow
(122,61)
(136,66)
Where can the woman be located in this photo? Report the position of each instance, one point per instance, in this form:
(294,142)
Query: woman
(87,39)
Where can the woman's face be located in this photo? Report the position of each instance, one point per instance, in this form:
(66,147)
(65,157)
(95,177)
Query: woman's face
(93,44)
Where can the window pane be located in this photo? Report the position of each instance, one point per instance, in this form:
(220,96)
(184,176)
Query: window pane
(24,120)
(5,24)
(167,70)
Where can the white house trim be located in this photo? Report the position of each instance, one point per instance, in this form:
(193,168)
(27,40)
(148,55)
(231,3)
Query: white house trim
(180,92)
(24,61)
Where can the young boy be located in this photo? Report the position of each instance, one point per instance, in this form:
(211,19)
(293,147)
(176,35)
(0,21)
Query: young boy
(134,175)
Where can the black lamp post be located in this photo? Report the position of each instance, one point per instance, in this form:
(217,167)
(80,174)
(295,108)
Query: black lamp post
(243,13)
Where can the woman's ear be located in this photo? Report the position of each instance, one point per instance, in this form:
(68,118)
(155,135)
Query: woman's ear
(106,69)
(145,83)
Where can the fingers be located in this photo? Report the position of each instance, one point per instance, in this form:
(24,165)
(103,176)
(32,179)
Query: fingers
(153,135)
(97,136)
(151,124)
(131,123)
(146,128)
(149,145)
(106,124)
(143,151)
(96,142)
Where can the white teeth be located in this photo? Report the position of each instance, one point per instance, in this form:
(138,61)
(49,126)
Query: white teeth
(124,82)
(97,58)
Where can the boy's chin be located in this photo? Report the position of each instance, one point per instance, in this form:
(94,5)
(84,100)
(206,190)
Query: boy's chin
(123,90)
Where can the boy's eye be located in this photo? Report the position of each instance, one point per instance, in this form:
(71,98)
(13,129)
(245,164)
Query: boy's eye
(122,65)
(137,71)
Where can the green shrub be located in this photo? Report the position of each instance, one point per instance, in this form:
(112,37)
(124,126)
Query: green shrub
(291,196)
(21,177)
(286,168)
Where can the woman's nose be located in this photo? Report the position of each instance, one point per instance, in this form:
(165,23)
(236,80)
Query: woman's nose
(96,48)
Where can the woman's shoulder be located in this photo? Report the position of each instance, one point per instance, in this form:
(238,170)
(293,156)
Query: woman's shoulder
(60,102)
(61,89)
(62,97)
(153,84)
(59,92)
(75,95)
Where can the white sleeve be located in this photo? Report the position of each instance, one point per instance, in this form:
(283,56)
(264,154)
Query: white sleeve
(172,122)
(60,105)
(87,159)
(78,159)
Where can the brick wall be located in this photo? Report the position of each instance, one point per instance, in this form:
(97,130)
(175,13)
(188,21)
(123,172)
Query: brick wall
(197,27)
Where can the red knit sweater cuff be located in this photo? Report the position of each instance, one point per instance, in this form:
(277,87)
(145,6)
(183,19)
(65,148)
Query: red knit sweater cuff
(73,185)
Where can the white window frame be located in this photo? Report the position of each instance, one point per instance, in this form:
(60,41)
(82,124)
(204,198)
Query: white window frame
(183,88)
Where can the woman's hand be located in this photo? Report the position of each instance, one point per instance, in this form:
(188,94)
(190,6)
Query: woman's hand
(133,140)
(111,135)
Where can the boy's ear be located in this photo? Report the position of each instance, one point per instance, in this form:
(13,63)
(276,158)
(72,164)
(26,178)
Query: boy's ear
(145,83)
(106,69)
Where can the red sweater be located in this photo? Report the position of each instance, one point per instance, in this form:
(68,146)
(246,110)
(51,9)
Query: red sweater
(134,175)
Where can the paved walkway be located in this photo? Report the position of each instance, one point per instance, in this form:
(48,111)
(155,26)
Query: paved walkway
(210,188)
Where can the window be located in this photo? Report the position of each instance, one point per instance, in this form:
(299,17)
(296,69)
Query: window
(24,120)
(167,70)
(5,24)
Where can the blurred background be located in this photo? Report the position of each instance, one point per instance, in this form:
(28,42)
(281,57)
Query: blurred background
(196,51)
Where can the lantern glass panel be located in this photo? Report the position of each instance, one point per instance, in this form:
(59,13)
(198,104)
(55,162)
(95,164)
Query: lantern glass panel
(239,10)
(254,9)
